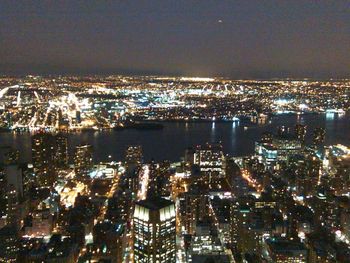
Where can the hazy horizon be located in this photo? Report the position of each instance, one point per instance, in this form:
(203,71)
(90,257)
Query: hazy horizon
(235,39)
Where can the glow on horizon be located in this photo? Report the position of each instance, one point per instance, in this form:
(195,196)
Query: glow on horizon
(198,79)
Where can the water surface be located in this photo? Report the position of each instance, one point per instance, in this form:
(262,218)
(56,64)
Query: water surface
(170,142)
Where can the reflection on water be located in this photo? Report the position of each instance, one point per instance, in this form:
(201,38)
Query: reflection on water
(330,116)
(171,142)
(213,135)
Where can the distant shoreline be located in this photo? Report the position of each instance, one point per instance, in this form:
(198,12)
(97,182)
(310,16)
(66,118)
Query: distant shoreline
(159,124)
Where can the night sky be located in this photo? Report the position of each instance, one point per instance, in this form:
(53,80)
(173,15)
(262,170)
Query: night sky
(238,39)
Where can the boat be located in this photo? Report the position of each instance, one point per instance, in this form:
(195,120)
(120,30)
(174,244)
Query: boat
(140,126)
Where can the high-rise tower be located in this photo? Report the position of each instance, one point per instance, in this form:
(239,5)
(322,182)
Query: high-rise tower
(83,162)
(154,231)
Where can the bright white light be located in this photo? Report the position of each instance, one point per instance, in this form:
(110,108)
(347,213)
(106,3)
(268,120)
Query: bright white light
(281,102)
(303,106)
(197,79)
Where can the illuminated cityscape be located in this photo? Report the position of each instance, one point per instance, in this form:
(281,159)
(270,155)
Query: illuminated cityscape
(35,103)
(287,201)
(174,131)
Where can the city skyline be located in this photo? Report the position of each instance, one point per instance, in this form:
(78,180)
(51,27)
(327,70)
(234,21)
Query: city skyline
(244,170)
(163,131)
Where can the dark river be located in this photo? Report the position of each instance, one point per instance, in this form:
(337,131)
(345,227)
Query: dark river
(170,142)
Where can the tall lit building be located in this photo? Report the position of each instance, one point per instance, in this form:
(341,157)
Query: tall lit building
(133,162)
(61,150)
(154,231)
(8,244)
(158,179)
(300,132)
(83,161)
(13,192)
(49,152)
(133,157)
(10,193)
(43,157)
(12,217)
(195,207)
(14,177)
(3,201)
(210,159)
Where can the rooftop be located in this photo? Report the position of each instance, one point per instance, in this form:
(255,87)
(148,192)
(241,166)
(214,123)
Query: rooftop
(154,203)
(282,246)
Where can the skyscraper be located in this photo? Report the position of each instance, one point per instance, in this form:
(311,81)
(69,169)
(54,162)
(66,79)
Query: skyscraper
(210,159)
(133,162)
(83,161)
(14,177)
(43,157)
(133,157)
(61,150)
(154,231)
(158,184)
(8,244)
(300,132)
(195,207)
(12,207)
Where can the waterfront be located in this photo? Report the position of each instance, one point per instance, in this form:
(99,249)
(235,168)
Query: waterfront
(170,142)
